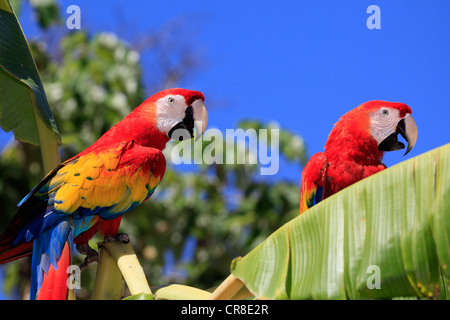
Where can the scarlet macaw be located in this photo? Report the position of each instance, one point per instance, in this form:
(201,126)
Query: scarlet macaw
(355,148)
(90,192)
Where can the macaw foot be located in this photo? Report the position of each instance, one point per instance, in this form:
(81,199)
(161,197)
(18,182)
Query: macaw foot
(91,255)
(122,237)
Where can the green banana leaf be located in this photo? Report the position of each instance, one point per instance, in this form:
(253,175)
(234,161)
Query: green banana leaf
(23,103)
(140,296)
(384,237)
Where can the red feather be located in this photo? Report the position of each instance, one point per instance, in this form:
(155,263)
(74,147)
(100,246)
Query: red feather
(351,154)
(9,253)
(54,286)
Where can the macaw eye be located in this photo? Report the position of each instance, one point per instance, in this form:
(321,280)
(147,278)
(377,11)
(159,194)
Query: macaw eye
(171,100)
(385,112)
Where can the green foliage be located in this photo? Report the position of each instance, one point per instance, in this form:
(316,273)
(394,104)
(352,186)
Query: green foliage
(47,12)
(23,104)
(25,110)
(396,220)
(94,83)
(140,296)
(21,85)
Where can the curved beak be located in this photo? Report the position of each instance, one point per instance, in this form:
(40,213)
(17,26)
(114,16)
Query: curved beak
(408,129)
(196,117)
(200,118)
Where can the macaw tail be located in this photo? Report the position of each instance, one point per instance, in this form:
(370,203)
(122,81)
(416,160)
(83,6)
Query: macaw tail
(8,252)
(52,256)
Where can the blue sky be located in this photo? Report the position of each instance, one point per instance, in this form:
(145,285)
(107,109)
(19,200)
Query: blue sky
(302,63)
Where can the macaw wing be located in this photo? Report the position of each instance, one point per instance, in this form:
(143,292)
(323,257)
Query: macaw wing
(108,182)
(30,208)
(102,183)
(312,185)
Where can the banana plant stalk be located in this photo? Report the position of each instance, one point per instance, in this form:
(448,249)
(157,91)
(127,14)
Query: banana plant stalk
(109,283)
(125,263)
(227,289)
(181,292)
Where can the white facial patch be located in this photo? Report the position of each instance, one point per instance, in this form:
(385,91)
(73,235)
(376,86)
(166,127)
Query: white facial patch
(384,123)
(170,110)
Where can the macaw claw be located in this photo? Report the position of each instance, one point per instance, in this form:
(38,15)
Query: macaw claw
(122,237)
(91,255)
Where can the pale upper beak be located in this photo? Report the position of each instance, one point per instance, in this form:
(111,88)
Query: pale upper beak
(196,117)
(200,118)
(408,129)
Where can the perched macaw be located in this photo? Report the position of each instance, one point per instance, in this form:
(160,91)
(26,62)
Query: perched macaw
(355,148)
(90,192)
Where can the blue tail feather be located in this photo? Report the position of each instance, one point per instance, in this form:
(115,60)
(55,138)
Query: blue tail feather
(47,249)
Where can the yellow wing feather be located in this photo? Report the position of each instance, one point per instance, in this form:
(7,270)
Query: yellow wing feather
(100,180)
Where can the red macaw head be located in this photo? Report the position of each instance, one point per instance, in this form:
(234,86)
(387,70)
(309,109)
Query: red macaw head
(168,114)
(179,111)
(377,122)
(387,120)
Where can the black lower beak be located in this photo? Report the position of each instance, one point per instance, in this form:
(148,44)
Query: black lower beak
(184,130)
(391,143)
(408,129)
